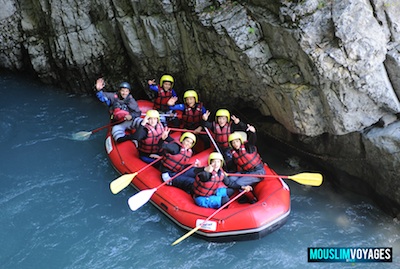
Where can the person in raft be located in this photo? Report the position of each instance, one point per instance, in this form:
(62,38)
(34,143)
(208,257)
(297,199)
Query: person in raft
(176,158)
(148,135)
(123,107)
(209,189)
(245,159)
(222,127)
(164,91)
(193,111)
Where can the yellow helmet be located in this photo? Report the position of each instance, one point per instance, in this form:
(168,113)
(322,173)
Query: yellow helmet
(188,135)
(165,78)
(215,156)
(191,93)
(223,112)
(233,136)
(153,114)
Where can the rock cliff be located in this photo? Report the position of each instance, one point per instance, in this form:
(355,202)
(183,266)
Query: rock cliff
(328,71)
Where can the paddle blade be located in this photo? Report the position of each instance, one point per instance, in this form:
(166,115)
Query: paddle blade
(140,198)
(81,135)
(311,179)
(177,241)
(121,183)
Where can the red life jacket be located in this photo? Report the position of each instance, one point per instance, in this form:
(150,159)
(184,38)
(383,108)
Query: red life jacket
(119,114)
(120,108)
(244,160)
(150,143)
(208,188)
(177,162)
(192,116)
(222,134)
(160,103)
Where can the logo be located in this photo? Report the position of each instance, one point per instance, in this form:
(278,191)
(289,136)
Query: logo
(351,254)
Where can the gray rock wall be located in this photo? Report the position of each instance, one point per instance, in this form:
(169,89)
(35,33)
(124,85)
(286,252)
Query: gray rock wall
(319,67)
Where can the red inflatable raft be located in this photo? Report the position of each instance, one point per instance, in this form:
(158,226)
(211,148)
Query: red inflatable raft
(237,222)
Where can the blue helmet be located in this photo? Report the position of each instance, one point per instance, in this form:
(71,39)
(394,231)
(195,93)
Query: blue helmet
(125,85)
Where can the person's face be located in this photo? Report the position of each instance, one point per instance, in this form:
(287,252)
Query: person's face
(153,121)
(222,120)
(167,85)
(236,143)
(216,164)
(190,101)
(187,143)
(124,92)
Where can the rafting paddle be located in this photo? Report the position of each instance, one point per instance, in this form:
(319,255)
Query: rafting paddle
(123,181)
(184,130)
(144,196)
(310,179)
(207,219)
(213,141)
(83,135)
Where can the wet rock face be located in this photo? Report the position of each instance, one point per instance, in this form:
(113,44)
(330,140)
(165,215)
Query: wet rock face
(316,66)
(309,64)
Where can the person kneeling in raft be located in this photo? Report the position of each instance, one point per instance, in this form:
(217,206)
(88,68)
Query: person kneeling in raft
(209,189)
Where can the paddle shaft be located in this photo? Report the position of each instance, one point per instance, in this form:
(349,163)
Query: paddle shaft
(184,130)
(213,141)
(106,126)
(142,197)
(175,176)
(123,181)
(207,219)
(150,164)
(311,179)
(164,115)
(256,175)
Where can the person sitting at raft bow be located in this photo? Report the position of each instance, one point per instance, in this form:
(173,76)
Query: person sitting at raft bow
(164,92)
(123,107)
(209,189)
(176,158)
(193,111)
(222,127)
(246,159)
(148,136)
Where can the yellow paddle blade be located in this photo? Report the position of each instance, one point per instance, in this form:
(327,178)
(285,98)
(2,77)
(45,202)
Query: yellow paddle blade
(311,179)
(177,241)
(121,183)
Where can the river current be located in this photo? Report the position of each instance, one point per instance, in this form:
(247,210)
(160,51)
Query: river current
(58,211)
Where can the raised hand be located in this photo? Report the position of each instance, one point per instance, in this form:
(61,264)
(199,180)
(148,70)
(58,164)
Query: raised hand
(209,168)
(235,119)
(100,84)
(165,133)
(206,115)
(247,188)
(172,101)
(251,128)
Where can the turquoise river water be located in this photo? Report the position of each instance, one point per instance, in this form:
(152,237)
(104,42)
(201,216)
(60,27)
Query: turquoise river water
(58,211)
